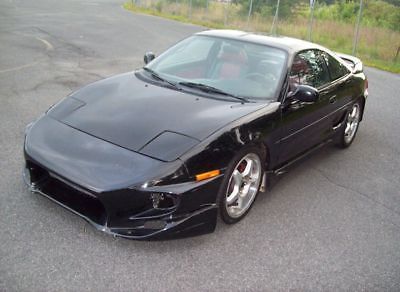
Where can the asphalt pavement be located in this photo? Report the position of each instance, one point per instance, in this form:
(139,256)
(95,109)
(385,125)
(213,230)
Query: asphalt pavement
(330,224)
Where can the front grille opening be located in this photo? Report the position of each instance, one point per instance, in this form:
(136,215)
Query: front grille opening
(81,202)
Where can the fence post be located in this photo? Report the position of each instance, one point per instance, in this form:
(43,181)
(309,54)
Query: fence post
(357,28)
(311,21)
(275,21)
(248,16)
(397,54)
(226,12)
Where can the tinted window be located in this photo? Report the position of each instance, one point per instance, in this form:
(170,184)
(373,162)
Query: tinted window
(336,68)
(309,69)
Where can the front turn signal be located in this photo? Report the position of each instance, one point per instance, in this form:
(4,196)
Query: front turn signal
(208,174)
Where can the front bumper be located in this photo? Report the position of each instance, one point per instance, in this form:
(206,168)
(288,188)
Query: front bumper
(130,213)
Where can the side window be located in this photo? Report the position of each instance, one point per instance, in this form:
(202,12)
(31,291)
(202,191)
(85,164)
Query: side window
(336,68)
(308,69)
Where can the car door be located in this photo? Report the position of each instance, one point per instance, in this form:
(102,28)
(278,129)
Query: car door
(305,124)
(341,85)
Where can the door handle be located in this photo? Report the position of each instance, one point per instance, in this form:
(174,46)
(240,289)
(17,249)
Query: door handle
(332,99)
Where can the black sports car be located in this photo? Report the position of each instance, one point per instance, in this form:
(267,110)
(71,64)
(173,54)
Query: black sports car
(159,152)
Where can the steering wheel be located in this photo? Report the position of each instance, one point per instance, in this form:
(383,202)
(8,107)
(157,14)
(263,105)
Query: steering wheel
(255,76)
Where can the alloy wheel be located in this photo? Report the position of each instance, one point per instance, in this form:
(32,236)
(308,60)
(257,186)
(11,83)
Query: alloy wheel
(243,185)
(352,122)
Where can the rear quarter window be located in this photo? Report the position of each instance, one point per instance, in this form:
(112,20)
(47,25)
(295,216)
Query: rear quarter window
(336,68)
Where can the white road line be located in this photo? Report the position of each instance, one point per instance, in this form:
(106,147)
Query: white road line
(49,47)
(21,67)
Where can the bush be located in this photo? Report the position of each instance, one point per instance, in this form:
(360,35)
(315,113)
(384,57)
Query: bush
(375,13)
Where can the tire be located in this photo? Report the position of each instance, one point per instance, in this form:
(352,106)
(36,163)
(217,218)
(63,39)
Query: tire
(351,124)
(240,185)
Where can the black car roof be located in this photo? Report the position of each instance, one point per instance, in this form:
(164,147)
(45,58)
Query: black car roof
(288,44)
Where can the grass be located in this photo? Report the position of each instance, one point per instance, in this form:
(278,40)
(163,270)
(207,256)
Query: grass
(377,47)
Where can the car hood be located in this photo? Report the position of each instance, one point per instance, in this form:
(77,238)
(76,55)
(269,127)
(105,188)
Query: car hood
(160,122)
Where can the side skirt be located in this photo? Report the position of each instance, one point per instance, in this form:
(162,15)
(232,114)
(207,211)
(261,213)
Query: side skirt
(272,176)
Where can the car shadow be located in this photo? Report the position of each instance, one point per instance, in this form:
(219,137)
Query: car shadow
(262,202)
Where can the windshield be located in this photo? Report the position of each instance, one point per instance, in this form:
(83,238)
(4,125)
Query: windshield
(236,67)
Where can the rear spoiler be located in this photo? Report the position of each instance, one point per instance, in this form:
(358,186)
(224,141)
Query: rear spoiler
(354,63)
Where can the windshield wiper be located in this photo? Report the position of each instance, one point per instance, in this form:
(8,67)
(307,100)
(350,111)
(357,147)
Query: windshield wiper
(157,76)
(211,89)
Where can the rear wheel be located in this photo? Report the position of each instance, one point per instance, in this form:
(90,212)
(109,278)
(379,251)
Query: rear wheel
(240,185)
(350,128)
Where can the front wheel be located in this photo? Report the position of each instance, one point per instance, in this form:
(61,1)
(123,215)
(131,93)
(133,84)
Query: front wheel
(240,185)
(350,128)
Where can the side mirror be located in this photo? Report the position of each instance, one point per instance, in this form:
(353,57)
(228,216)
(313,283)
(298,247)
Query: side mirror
(305,93)
(148,57)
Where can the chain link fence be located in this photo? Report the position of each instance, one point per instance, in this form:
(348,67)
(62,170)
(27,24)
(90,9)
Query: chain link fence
(337,25)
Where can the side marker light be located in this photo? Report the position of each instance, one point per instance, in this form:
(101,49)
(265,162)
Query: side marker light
(208,174)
